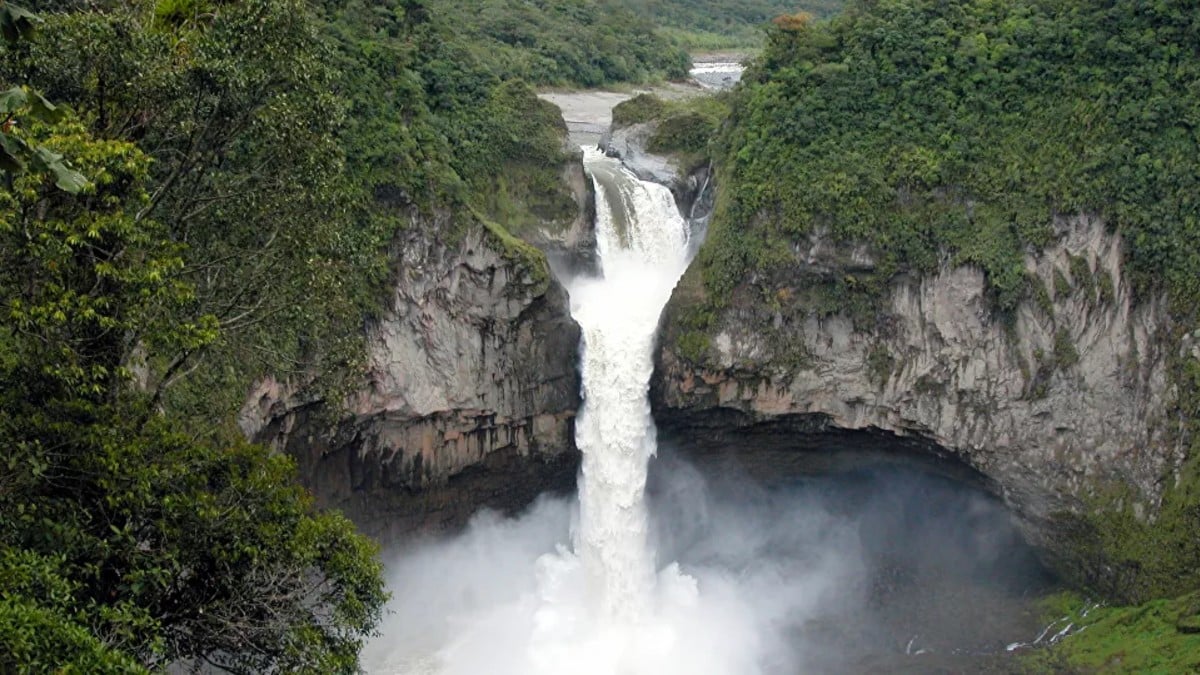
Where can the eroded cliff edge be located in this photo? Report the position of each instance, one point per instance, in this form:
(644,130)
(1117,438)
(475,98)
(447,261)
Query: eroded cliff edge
(1066,395)
(470,384)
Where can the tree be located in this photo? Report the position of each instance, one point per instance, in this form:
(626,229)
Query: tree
(125,544)
(234,105)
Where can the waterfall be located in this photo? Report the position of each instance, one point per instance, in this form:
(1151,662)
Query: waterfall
(602,602)
(642,245)
(778,580)
(602,605)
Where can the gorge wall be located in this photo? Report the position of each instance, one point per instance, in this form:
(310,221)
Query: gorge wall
(1069,395)
(469,392)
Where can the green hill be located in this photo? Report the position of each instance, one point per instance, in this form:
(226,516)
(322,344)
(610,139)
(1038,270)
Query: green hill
(715,24)
(562,42)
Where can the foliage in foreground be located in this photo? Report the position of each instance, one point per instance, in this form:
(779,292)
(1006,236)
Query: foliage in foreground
(124,543)
(245,170)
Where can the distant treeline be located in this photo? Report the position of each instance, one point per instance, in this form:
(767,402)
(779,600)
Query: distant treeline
(700,24)
(563,42)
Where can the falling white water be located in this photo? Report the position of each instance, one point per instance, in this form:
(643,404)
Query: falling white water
(642,242)
(601,604)
(597,606)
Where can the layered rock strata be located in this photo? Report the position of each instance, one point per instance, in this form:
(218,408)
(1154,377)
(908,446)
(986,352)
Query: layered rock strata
(1069,394)
(467,400)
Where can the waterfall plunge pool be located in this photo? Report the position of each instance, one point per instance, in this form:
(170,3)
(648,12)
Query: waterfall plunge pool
(665,567)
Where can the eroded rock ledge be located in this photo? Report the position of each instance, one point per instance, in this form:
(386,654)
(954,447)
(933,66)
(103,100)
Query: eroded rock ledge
(1069,396)
(468,397)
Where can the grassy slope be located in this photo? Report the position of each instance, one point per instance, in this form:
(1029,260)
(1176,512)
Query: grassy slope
(1158,637)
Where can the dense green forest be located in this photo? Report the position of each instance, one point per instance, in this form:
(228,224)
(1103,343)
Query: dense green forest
(718,24)
(957,132)
(926,127)
(563,42)
(197,193)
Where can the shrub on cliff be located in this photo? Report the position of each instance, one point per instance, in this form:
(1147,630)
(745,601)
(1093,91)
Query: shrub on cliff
(682,127)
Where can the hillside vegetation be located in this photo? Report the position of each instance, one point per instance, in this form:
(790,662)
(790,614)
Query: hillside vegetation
(563,42)
(719,24)
(196,194)
(956,133)
(963,128)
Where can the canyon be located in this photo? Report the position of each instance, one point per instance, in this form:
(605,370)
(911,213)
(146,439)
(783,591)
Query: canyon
(472,383)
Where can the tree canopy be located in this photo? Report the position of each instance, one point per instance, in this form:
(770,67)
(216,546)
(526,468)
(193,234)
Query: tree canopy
(715,24)
(928,127)
(563,42)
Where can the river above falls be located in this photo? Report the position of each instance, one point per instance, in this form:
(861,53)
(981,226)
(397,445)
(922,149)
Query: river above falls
(588,113)
(719,71)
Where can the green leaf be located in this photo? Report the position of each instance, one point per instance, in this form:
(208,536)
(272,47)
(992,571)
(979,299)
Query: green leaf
(13,100)
(12,154)
(16,22)
(44,110)
(67,179)
(44,158)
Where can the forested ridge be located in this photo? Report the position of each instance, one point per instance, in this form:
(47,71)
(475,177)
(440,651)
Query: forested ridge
(198,193)
(716,24)
(563,42)
(957,133)
(918,125)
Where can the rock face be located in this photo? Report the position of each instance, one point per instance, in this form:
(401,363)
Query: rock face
(468,398)
(693,191)
(1071,394)
(571,250)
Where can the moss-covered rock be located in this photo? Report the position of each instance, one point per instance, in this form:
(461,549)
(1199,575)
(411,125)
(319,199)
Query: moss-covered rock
(1160,636)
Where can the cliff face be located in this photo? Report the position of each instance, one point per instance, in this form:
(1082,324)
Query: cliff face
(1069,395)
(468,397)
(692,190)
